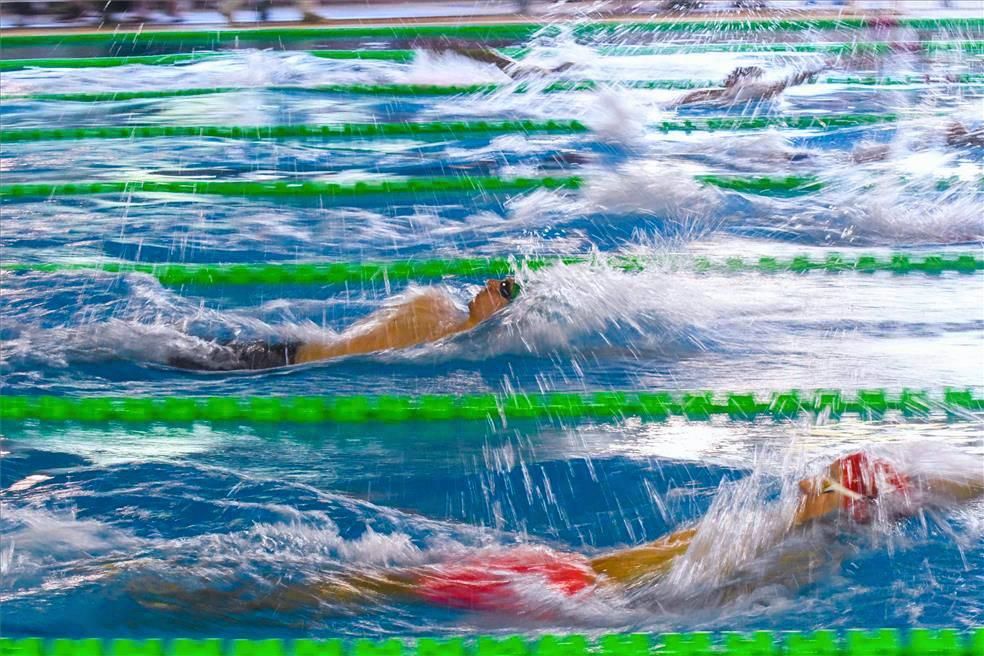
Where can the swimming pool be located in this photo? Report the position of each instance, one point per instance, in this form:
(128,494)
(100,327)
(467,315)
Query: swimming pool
(163,529)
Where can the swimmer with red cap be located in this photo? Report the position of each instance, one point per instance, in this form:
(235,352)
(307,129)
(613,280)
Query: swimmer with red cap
(857,487)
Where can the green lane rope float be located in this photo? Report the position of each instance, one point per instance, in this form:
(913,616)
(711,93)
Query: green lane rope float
(786,187)
(880,642)
(342,130)
(431,129)
(336,273)
(789,186)
(831,48)
(764,185)
(497,31)
(416,186)
(406,56)
(398,56)
(866,404)
(426,90)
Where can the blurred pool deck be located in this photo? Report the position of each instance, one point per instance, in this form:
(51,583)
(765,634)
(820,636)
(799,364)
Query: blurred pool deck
(492,11)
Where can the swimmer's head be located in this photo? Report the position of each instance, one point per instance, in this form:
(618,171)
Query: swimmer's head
(495,295)
(851,484)
(742,74)
(820,496)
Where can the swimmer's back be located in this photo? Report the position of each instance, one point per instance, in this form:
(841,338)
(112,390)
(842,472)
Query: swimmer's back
(425,316)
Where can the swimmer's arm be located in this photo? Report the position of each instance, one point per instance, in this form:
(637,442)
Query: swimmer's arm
(793,80)
(958,135)
(957,490)
(470,50)
(488,56)
(704,95)
(653,558)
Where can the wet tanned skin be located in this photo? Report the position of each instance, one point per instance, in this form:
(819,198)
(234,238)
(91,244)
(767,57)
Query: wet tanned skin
(421,320)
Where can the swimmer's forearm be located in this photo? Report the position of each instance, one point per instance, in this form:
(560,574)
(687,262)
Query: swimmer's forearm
(698,96)
(488,56)
(804,75)
(470,50)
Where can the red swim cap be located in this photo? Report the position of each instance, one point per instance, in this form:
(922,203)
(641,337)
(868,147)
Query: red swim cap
(488,581)
(861,475)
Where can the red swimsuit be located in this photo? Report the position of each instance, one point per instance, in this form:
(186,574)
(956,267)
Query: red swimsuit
(488,581)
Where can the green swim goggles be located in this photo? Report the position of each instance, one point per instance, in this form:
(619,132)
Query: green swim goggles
(509,289)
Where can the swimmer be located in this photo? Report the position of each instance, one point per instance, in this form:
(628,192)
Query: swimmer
(426,316)
(487,55)
(745,84)
(956,135)
(854,489)
(959,136)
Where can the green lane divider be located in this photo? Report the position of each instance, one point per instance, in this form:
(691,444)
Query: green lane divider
(485,185)
(428,90)
(406,56)
(103,62)
(398,56)
(854,642)
(342,130)
(765,186)
(784,187)
(119,96)
(497,31)
(866,404)
(831,48)
(431,129)
(334,273)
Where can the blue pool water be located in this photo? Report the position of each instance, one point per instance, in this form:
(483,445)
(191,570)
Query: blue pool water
(167,531)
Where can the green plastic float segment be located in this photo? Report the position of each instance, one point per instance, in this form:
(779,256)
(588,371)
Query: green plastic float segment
(496,31)
(444,129)
(653,406)
(883,642)
(479,185)
(338,131)
(338,273)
